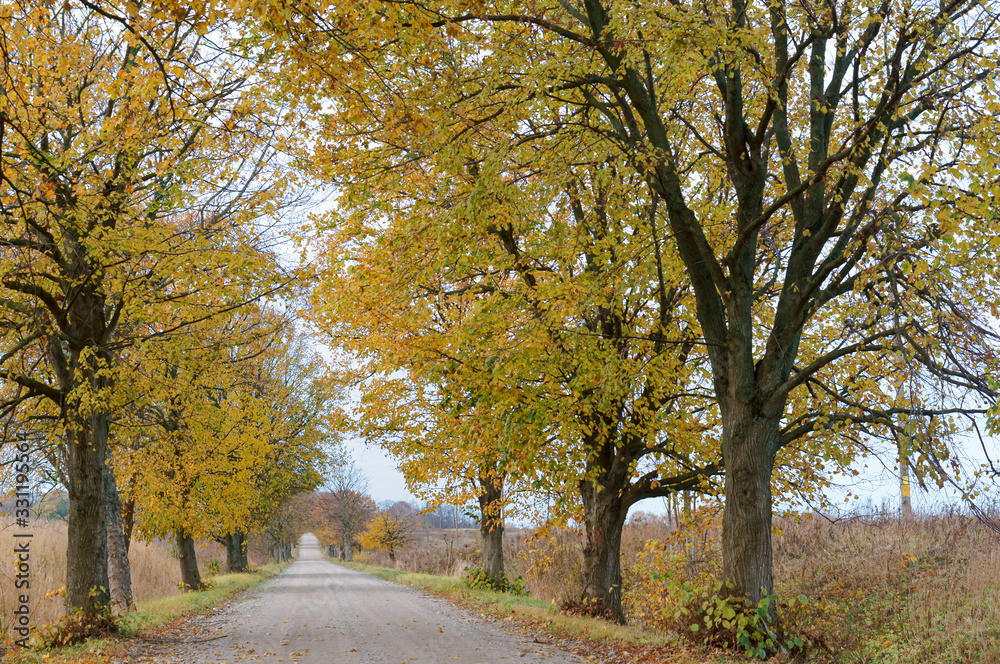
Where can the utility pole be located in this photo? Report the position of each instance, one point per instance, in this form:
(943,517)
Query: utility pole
(906,510)
(903,448)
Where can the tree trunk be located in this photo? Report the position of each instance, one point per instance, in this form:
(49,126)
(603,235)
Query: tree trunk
(119,571)
(748,450)
(86,550)
(349,548)
(282,552)
(604,516)
(244,560)
(236,552)
(128,521)
(491,525)
(190,576)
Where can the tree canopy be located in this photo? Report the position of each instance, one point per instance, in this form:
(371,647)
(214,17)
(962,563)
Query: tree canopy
(815,182)
(607,250)
(137,176)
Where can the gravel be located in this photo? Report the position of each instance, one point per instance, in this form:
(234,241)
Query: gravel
(320,612)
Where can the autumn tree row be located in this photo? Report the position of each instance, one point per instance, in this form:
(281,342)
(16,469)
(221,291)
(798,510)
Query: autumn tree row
(592,251)
(142,346)
(607,251)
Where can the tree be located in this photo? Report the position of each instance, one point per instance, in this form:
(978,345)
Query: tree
(244,424)
(286,525)
(344,510)
(127,137)
(824,173)
(301,428)
(388,532)
(599,393)
(448,452)
(399,508)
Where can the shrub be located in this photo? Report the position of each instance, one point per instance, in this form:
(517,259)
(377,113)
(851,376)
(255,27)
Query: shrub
(75,627)
(478,579)
(213,567)
(706,612)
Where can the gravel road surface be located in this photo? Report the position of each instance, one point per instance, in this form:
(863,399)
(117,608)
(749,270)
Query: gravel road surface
(320,612)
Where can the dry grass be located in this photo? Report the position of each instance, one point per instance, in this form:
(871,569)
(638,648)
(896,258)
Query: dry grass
(48,571)
(545,560)
(884,590)
(878,589)
(438,551)
(551,564)
(155,571)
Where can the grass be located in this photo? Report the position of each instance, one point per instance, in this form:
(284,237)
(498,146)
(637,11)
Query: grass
(155,570)
(155,573)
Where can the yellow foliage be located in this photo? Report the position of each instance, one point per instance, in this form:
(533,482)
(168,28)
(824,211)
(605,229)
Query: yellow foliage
(387,532)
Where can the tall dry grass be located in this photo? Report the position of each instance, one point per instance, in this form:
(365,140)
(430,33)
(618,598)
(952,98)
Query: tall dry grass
(155,570)
(878,589)
(551,563)
(438,551)
(886,590)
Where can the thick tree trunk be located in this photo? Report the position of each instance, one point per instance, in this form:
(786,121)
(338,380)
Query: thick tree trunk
(190,576)
(119,570)
(491,525)
(236,552)
(349,548)
(604,516)
(86,551)
(748,449)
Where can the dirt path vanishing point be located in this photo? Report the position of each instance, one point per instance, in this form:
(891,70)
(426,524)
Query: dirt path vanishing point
(320,612)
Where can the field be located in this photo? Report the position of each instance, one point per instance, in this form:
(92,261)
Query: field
(875,589)
(866,589)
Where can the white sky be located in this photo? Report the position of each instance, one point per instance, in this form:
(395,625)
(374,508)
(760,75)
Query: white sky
(385,481)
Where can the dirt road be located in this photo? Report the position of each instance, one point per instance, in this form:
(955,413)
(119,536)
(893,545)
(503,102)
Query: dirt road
(320,612)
